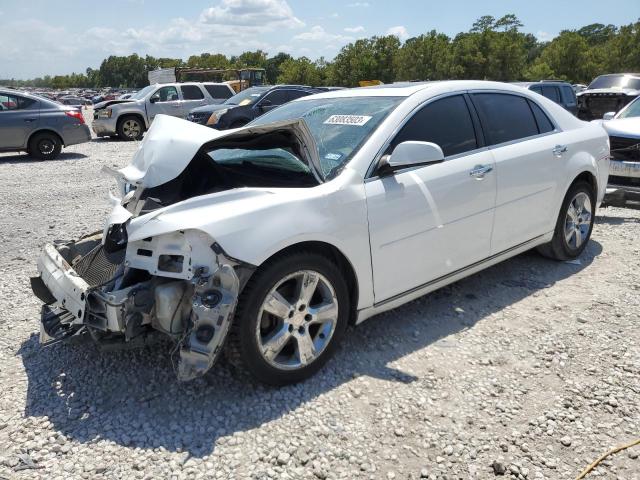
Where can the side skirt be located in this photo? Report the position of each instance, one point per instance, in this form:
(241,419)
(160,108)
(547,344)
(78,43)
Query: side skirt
(452,277)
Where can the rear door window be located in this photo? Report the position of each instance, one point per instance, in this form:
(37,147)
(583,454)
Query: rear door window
(446,122)
(293,94)
(191,92)
(505,117)
(277,97)
(551,93)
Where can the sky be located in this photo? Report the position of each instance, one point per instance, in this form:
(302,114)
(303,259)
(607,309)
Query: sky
(49,37)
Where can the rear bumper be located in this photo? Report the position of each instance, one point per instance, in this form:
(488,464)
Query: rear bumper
(77,134)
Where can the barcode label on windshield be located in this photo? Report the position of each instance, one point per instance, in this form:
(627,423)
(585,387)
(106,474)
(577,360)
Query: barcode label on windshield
(357,120)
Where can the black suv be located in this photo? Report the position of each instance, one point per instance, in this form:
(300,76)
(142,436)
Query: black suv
(243,107)
(560,92)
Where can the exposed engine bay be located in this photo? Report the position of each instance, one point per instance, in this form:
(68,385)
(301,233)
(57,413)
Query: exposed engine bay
(177,281)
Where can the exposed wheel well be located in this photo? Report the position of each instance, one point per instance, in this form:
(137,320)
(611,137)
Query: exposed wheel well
(589,178)
(44,130)
(337,257)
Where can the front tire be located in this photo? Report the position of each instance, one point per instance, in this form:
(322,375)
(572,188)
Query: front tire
(290,319)
(574,224)
(130,128)
(45,146)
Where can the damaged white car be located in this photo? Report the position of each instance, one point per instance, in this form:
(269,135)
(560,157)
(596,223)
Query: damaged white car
(270,239)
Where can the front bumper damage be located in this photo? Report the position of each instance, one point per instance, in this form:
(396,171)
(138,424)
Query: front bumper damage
(180,284)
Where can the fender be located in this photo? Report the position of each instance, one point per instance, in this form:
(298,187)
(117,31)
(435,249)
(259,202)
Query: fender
(231,218)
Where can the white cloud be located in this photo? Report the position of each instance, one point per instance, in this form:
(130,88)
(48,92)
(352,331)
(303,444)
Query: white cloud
(319,34)
(359,4)
(358,29)
(399,31)
(254,13)
(544,36)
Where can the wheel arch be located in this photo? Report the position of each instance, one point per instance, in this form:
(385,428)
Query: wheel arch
(334,254)
(45,130)
(138,115)
(587,177)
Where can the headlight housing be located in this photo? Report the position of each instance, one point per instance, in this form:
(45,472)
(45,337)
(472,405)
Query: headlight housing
(105,113)
(215,116)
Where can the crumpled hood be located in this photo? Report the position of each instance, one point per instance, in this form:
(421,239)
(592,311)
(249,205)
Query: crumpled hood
(171,143)
(167,148)
(623,127)
(108,103)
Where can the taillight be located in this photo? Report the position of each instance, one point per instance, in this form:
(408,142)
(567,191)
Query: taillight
(75,114)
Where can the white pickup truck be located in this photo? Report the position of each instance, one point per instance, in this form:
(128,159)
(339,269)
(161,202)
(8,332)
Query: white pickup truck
(130,118)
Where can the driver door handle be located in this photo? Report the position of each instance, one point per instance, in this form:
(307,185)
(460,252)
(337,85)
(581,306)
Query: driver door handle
(479,171)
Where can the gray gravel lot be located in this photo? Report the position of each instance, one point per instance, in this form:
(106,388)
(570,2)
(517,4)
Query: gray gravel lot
(530,368)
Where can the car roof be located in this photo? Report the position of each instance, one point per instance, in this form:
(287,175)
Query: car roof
(541,82)
(407,89)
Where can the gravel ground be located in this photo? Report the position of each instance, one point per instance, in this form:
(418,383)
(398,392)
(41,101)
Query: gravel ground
(529,369)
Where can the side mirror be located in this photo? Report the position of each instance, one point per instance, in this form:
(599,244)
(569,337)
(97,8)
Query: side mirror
(412,153)
(609,116)
(265,104)
(154,99)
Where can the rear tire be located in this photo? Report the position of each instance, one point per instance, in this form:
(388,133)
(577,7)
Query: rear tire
(45,146)
(130,127)
(313,323)
(574,224)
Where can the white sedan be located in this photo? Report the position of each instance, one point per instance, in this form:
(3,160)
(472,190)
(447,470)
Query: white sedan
(270,239)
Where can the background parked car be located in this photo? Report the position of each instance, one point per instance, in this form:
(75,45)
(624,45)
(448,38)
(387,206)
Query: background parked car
(38,125)
(560,92)
(624,170)
(131,117)
(608,93)
(247,105)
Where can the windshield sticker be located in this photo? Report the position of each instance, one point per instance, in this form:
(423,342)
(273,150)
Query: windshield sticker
(356,120)
(333,156)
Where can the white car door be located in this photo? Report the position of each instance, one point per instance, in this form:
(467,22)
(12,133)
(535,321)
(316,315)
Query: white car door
(430,221)
(165,100)
(528,152)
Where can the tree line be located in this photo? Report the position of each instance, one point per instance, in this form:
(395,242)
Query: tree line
(493,49)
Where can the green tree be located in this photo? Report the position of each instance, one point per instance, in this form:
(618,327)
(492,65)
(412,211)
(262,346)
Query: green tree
(273,66)
(300,71)
(366,59)
(426,57)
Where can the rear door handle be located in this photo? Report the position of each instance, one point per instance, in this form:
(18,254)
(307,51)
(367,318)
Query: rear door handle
(558,150)
(479,171)
(28,120)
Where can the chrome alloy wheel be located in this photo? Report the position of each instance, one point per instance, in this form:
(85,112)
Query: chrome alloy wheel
(131,128)
(296,320)
(578,220)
